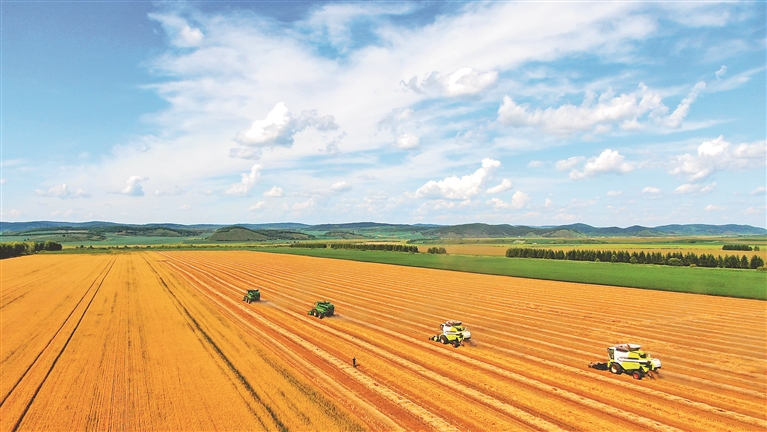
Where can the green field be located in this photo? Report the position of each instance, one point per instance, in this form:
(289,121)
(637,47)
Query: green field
(749,284)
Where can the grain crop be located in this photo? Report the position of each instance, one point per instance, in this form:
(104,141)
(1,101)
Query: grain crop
(163,341)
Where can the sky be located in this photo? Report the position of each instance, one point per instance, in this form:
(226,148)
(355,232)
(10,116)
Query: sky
(522,113)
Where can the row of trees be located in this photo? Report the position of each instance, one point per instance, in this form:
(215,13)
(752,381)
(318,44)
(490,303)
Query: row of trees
(437,250)
(375,246)
(309,245)
(9,250)
(671,258)
(359,246)
(738,247)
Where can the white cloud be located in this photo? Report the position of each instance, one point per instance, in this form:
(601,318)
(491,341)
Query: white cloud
(761,190)
(504,186)
(2,181)
(608,161)
(598,114)
(464,81)
(613,193)
(407,141)
(460,188)
(257,206)
(689,188)
(176,191)
(133,186)
(651,190)
(185,207)
(274,192)
(280,127)
(310,203)
(755,210)
(248,180)
(568,163)
(712,207)
(178,29)
(548,203)
(717,155)
(675,119)
(535,164)
(62,191)
(340,186)
(721,73)
(518,200)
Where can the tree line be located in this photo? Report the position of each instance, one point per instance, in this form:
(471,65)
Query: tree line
(739,247)
(10,250)
(437,250)
(671,258)
(359,246)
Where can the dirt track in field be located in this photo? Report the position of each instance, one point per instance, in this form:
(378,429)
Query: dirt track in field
(159,341)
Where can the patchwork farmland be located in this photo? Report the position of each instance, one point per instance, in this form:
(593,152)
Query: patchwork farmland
(163,341)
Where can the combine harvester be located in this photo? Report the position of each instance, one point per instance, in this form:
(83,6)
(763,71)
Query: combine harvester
(628,358)
(453,333)
(251,296)
(322,309)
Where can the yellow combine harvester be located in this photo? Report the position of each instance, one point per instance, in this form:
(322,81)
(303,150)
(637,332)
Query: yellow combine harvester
(628,358)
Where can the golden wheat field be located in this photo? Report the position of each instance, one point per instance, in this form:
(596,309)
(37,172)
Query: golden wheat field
(163,341)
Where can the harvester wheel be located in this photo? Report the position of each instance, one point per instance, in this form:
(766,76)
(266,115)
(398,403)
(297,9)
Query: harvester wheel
(637,375)
(322,315)
(443,339)
(616,369)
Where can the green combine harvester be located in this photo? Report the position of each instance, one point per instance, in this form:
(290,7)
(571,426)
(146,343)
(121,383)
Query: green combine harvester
(251,296)
(322,309)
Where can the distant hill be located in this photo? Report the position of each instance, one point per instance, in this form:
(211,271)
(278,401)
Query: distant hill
(298,231)
(240,233)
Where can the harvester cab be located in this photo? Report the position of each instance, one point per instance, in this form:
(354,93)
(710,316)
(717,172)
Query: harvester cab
(322,309)
(453,333)
(629,358)
(251,296)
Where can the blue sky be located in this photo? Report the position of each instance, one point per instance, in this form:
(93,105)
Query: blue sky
(610,114)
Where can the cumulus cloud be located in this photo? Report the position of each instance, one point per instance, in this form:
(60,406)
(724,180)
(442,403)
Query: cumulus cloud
(535,164)
(179,31)
(280,127)
(133,186)
(712,207)
(717,155)
(504,186)
(568,163)
(62,191)
(461,188)
(609,161)
(689,188)
(310,203)
(651,190)
(340,186)
(761,190)
(274,192)
(185,207)
(518,200)
(721,73)
(674,120)
(407,141)
(463,82)
(631,111)
(257,206)
(614,193)
(248,180)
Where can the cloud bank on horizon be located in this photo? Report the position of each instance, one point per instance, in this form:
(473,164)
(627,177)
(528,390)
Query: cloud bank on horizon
(407,112)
